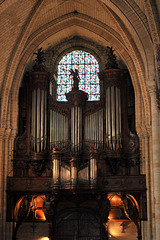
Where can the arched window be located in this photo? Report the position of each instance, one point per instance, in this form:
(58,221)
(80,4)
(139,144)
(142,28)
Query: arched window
(88,68)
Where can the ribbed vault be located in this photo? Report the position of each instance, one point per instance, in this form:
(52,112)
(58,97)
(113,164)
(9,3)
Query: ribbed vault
(115,23)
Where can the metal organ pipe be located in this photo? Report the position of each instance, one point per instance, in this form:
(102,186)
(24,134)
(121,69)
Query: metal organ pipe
(76,128)
(93,170)
(33,129)
(74,170)
(58,129)
(113,117)
(76,99)
(93,166)
(39,120)
(94,128)
(113,82)
(56,166)
(40,84)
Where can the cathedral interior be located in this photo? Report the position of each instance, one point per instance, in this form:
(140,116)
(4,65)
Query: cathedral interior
(79,120)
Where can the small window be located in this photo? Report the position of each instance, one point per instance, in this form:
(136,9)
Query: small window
(88,68)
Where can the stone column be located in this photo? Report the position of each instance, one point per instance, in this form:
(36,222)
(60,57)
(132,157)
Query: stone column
(156,159)
(145,136)
(2,131)
(6,144)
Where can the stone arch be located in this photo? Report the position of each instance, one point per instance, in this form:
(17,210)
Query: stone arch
(97,29)
(13,60)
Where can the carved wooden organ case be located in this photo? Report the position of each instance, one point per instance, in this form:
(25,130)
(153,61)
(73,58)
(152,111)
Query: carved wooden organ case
(77,150)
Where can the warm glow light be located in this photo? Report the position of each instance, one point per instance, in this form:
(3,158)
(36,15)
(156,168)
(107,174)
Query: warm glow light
(44,238)
(116,201)
(39,214)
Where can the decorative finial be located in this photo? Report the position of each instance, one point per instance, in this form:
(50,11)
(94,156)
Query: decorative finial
(111,59)
(40,59)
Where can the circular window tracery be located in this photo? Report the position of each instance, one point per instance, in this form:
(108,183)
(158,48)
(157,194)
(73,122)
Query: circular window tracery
(87,67)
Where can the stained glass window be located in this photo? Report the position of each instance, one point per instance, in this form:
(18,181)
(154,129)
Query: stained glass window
(87,67)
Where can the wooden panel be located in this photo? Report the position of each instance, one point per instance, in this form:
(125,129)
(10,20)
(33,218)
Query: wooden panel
(110,184)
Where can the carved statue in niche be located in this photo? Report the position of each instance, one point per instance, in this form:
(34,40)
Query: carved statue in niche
(38,166)
(131,212)
(132,154)
(76,78)
(40,59)
(48,206)
(25,209)
(111,59)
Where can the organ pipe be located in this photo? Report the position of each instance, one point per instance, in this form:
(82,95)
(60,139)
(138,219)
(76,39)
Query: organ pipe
(76,128)
(58,129)
(39,120)
(93,170)
(113,117)
(40,85)
(112,82)
(94,128)
(74,170)
(56,166)
(76,99)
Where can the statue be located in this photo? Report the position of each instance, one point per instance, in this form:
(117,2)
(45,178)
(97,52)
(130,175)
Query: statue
(40,59)
(111,59)
(132,212)
(48,206)
(25,209)
(76,78)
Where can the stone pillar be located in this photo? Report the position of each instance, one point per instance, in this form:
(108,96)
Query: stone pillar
(6,144)
(145,137)
(156,159)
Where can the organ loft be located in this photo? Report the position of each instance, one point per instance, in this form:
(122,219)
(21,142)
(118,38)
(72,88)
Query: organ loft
(76,162)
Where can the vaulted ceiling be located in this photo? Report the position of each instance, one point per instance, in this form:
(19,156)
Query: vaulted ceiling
(129,26)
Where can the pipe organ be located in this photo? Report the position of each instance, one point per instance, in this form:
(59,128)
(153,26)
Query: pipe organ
(81,147)
(75,127)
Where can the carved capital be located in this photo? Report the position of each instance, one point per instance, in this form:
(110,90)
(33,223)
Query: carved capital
(152,89)
(144,131)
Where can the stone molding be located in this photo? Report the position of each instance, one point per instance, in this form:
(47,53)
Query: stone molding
(151,20)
